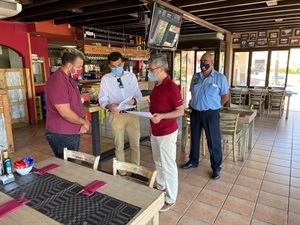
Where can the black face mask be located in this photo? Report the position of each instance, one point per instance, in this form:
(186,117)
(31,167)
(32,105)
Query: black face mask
(206,66)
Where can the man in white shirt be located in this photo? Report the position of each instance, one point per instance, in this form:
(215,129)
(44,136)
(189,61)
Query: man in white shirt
(115,87)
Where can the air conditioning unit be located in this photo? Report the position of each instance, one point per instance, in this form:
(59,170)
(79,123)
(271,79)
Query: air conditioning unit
(202,36)
(9,8)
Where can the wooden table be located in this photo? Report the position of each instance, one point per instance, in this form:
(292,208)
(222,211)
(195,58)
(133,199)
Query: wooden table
(288,94)
(148,199)
(247,124)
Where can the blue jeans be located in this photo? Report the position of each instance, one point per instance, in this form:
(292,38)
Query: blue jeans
(210,121)
(60,141)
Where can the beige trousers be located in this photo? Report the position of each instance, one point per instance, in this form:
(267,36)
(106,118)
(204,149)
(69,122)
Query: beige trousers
(130,123)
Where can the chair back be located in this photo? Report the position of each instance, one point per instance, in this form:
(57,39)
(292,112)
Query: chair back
(236,96)
(148,173)
(187,113)
(234,106)
(276,101)
(91,159)
(228,123)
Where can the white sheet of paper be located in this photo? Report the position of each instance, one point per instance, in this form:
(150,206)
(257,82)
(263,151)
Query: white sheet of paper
(143,114)
(123,105)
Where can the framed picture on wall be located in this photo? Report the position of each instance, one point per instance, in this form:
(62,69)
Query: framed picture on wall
(294,41)
(262,33)
(283,41)
(243,43)
(235,40)
(251,44)
(272,43)
(253,36)
(245,36)
(285,32)
(273,35)
(297,32)
(262,41)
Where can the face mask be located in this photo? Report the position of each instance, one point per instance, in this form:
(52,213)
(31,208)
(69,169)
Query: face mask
(152,76)
(206,66)
(77,73)
(117,71)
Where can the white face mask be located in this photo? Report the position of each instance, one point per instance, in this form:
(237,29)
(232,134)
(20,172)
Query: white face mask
(152,76)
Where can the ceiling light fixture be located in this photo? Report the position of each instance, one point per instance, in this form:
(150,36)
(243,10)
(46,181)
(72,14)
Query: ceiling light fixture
(271,2)
(278,20)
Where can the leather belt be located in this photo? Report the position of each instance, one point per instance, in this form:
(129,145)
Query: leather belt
(124,111)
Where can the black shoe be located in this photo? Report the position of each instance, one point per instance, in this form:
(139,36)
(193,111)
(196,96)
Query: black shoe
(215,176)
(188,165)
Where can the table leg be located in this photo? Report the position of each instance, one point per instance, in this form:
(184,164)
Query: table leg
(251,132)
(154,220)
(288,108)
(96,134)
(183,135)
(244,141)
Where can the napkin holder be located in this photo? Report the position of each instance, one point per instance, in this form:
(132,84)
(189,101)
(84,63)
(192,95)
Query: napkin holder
(6,179)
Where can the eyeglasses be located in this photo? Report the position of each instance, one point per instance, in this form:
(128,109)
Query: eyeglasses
(151,70)
(205,61)
(120,83)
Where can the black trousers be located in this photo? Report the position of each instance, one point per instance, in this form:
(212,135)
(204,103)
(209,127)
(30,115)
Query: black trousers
(210,121)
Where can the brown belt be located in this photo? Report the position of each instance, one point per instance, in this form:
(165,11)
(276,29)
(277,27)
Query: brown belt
(124,111)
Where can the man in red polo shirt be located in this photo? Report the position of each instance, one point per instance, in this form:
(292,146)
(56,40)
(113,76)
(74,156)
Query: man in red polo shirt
(166,105)
(65,117)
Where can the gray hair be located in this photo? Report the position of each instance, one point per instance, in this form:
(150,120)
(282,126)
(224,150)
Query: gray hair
(160,61)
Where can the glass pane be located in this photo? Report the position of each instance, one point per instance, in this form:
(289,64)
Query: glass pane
(222,62)
(13,79)
(258,68)
(15,95)
(240,68)
(293,79)
(177,66)
(278,67)
(3,137)
(190,72)
(17,111)
(183,74)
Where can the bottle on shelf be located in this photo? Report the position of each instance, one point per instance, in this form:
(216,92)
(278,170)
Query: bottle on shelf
(7,163)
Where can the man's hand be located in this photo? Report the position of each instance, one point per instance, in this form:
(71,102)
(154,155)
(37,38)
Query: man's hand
(83,130)
(86,124)
(157,118)
(131,102)
(113,108)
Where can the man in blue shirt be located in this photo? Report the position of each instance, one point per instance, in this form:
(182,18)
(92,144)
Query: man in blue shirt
(209,90)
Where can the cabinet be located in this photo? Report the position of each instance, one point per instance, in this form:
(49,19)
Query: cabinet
(97,44)
(6,137)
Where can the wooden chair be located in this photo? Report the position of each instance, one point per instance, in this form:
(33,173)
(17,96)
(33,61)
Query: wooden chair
(276,100)
(148,173)
(84,157)
(234,106)
(236,96)
(230,133)
(256,98)
(187,131)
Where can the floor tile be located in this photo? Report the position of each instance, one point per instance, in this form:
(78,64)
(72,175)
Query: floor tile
(250,172)
(212,198)
(294,205)
(203,212)
(228,217)
(249,182)
(239,206)
(293,219)
(244,193)
(270,215)
(273,200)
(275,188)
(277,178)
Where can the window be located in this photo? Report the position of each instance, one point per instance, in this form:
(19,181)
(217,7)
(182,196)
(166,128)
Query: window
(240,68)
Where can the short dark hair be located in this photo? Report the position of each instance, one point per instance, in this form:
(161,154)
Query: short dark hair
(115,56)
(70,55)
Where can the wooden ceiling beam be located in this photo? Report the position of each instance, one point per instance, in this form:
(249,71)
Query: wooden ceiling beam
(53,8)
(96,16)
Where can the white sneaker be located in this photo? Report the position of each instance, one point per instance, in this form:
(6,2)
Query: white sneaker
(166,207)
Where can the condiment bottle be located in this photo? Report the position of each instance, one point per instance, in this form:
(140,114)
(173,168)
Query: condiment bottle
(6,163)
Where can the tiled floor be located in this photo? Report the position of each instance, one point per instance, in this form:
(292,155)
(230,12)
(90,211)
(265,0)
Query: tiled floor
(265,189)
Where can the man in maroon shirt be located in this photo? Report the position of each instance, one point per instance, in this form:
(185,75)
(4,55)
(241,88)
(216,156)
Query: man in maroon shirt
(166,105)
(65,117)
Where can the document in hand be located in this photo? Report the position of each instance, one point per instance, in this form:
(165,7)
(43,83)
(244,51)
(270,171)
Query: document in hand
(124,106)
(143,114)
